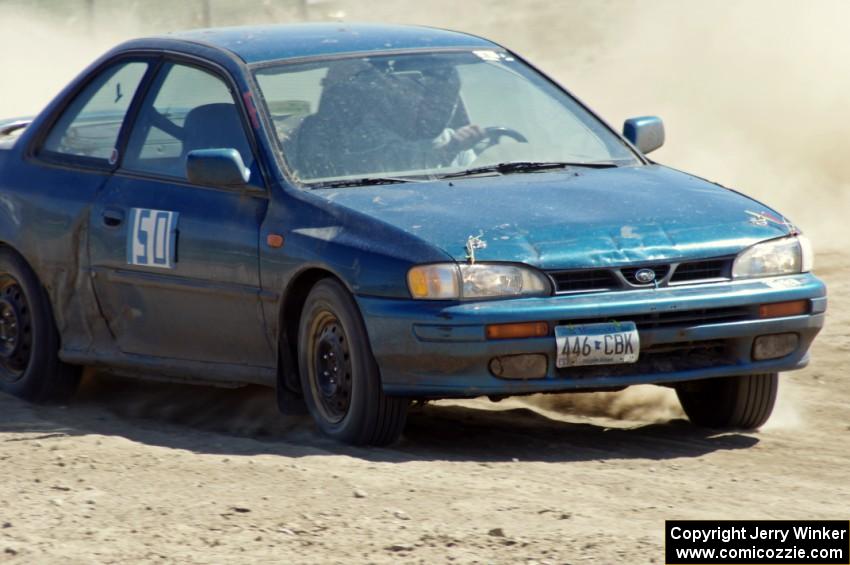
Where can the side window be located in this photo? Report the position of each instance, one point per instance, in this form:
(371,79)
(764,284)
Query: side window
(186,109)
(90,125)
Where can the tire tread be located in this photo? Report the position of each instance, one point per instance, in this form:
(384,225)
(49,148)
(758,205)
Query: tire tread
(743,402)
(380,419)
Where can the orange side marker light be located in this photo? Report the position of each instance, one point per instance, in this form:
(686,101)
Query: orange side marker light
(517,331)
(783,309)
(274,240)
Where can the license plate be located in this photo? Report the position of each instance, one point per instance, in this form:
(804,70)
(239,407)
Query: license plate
(597,344)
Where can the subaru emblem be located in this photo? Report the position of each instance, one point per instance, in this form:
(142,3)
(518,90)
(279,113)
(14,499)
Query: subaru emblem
(645,276)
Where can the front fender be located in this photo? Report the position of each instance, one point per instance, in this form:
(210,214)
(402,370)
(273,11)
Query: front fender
(370,256)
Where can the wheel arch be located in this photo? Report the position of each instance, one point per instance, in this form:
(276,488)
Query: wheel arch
(5,245)
(44,378)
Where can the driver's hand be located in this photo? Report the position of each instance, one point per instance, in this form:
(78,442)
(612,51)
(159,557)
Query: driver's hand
(466,137)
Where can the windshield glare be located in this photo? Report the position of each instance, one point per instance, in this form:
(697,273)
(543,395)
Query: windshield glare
(423,115)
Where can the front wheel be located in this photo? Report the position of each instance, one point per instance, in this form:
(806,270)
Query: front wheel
(339,376)
(743,402)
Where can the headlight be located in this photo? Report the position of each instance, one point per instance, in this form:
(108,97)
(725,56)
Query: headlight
(450,281)
(784,256)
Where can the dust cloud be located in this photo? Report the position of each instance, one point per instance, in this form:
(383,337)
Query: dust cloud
(642,403)
(248,411)
(788,410)
(753,93)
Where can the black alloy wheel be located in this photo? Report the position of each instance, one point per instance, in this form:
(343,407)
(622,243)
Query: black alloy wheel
(340,379)
(332,368)
(15,330)
(30,367)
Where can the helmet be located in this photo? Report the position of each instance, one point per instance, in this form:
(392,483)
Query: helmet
(414,96)
(438,100)
(357,92)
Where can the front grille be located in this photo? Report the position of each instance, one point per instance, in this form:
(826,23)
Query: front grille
(585,280)
(703,270)
(660,272)
(624,278)
(661,359)
(676,318)
(692,317)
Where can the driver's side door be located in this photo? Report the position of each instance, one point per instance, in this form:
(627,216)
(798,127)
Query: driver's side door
(175,264)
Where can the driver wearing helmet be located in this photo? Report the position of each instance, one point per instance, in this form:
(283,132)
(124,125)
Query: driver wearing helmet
(374,120)
(437,101)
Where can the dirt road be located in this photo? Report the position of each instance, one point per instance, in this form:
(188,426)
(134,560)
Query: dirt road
(136,472)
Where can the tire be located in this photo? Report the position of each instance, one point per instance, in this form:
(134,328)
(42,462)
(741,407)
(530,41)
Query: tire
(29,342)
(339,376)
(743,402)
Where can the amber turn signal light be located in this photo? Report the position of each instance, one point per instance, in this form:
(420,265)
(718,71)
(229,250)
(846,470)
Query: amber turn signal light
(783,309)
(517,331)
(274,240)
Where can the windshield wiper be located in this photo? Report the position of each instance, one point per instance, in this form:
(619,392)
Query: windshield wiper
(367,181)
(528,166)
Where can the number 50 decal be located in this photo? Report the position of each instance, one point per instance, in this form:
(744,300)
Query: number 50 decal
(152,239)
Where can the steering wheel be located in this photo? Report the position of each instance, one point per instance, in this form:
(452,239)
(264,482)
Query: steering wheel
(493,136)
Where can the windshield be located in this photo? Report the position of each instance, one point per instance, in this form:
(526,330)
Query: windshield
(425,115)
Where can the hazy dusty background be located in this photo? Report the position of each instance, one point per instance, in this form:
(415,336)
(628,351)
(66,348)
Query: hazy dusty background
(754,95)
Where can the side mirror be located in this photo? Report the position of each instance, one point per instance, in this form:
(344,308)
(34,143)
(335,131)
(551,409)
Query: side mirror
(217,167)
(645,133)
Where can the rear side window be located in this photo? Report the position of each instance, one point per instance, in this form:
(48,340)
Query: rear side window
(186,109)
(90,125)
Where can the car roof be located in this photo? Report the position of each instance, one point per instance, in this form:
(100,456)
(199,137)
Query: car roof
(256,44)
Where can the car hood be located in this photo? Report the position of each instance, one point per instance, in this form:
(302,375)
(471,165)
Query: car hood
(574,218)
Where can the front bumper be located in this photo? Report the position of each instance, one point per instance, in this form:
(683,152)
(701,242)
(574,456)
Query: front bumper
(439,350)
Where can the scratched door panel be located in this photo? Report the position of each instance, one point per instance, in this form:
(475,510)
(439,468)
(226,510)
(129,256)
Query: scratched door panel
(176,264)
(178,276)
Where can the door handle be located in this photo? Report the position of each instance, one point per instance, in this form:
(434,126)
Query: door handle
(113,218)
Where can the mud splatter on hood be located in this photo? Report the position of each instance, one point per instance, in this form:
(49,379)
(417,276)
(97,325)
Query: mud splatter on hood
(572,219)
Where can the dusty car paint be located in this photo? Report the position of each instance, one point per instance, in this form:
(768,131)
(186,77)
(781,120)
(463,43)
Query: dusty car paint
(566,220)
(230,310)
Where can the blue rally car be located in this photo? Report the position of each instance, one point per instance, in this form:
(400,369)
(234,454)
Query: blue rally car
(366,215)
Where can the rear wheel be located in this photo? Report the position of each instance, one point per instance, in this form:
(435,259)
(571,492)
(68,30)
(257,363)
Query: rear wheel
(743,402)
(29,343)
(339,376)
